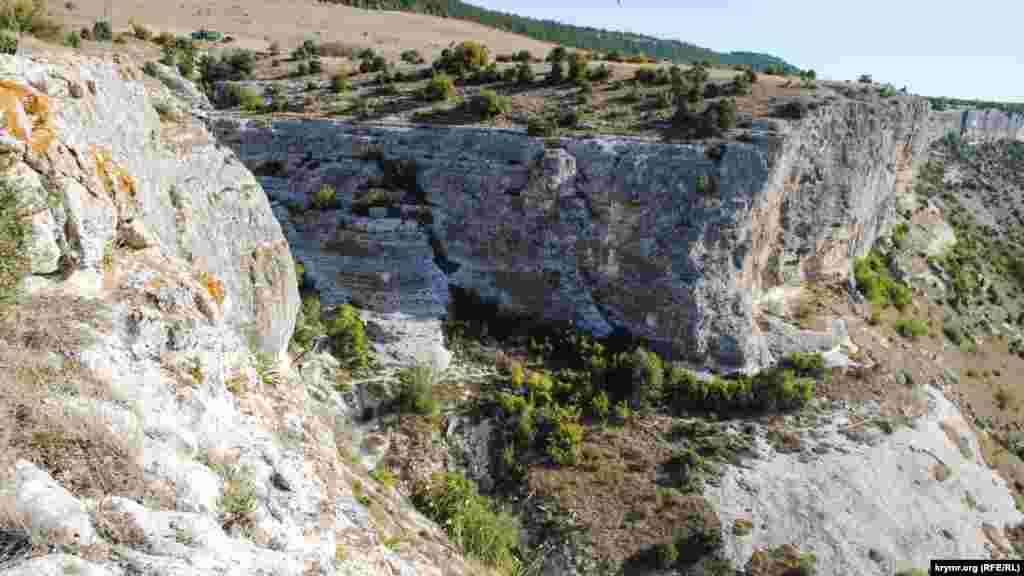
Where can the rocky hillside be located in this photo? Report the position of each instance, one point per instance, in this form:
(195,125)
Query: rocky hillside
(175,413)
(582,230)
(154,424)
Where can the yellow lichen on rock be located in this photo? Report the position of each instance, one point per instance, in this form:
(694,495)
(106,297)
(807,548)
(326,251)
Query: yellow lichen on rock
(26,115)
(111,173)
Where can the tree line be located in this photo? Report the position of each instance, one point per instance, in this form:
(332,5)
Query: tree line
(586,38)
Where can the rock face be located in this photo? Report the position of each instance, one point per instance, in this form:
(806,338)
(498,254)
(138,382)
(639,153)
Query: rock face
(199,203)
(672,242)
(152,226)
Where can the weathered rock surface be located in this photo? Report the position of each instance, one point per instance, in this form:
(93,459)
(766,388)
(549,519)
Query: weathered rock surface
(172,239)
(193,195)
(673,242)
(829,497)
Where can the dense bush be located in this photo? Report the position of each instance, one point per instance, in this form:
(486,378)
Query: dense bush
(412,57)
(339,83)
(347,335)
(601,73)
(524,73)
(73,40)
(102,32)
(523,56)
(488,104)
(245,97)
(439,88)
(482,532)
(325,198)
(416,390)
(541,125)
(775,70)
(469,56)
(373,64)
(577,66)
(876,283)
(911,328)
(8,42)
(727,114)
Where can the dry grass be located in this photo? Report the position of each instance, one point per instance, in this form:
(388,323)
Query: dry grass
(40,380)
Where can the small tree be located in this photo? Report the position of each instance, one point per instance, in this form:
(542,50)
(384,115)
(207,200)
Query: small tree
(577,66)
(102,32)
(440,88)
(727,114)
(488,104)
(412,57)
(524,73)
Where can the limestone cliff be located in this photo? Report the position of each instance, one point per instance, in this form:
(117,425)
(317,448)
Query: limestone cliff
(152,425)
(673,242)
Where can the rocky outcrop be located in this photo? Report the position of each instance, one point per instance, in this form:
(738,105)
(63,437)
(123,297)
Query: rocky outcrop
(672,242)
(120,167)
(145,221)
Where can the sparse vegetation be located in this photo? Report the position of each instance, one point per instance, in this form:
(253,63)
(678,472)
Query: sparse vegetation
(911,328)
(488,104)
(416,391)
(876,283)
(440,88)
(469,519)
(347,335)
(14,237)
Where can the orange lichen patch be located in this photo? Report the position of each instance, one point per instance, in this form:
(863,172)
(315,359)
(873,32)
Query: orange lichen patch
(111,173)
(213,286)
(26,115)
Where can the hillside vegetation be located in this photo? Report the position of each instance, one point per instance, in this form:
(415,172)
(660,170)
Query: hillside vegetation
(584,37)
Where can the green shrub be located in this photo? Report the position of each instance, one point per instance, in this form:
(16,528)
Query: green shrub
(8,42)
(524,73)
(663,100)
(666,554)
(600,74)
(701,185)
(488,104)
(484,533)
(887,91)
(876,283)
(102,32)
(541,125)
(73,40)
(566,435)
(348,337)
(325,198)
(245,97)
(469,56)
(727,114)
(14,238)
(523,56)
(416,390)
(340,83)
(412,57)
(315,66)
(911,328)
(648,376)
(439,88)
(508,75)
(577,66)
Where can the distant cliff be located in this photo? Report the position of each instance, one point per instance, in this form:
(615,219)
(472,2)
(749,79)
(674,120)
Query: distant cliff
(672,241)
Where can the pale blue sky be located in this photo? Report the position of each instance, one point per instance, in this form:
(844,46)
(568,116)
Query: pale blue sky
(936,48)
